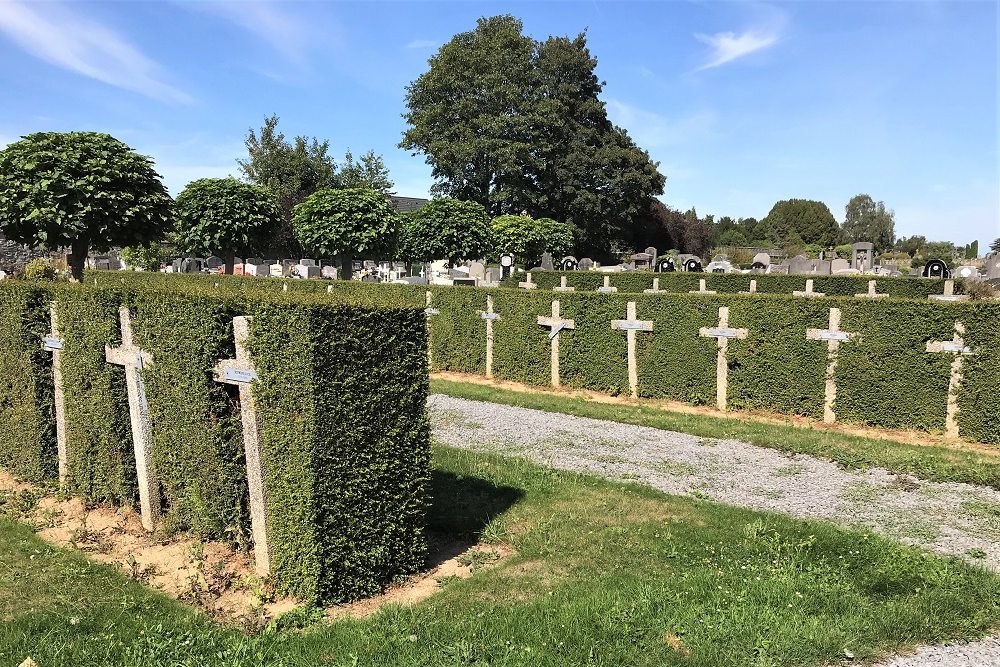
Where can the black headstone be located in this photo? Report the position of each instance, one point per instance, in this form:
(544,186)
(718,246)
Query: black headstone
(693,266)
(936,268)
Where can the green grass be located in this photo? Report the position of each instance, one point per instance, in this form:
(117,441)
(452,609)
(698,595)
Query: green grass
(938,462)
(602,574)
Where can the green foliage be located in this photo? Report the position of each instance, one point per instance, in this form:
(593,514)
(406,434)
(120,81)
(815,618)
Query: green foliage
(868,220)
(844,251)
(222,216)
(556,237)
(995,246)
(972,250)
(517,125)
(352,222)
(368,172)
(445,228)
(82,190)
(527,238)
(39,269)
(802,221)
(143,257)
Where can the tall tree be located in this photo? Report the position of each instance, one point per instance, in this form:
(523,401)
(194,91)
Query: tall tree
(801,221)
(82,190)
(995,246)
(368,172)
(517,125)
(870,221)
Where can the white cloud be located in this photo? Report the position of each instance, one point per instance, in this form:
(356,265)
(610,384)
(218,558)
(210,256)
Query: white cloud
(422,44)
(729,46)
(73,42)
(288,35)
(653,130)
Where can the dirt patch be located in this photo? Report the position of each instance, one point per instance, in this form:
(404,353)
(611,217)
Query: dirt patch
(904,436)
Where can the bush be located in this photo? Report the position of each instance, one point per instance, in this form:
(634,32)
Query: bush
(143,257)
(39,269)
(445,229)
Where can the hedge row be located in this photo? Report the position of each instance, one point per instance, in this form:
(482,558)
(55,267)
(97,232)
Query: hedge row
(734,283)
(885,379)
(341,403)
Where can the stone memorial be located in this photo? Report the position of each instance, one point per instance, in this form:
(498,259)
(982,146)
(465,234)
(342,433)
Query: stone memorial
(489,316)
(833,337)
(871,293)
(936,268)
(722,333)
(563,287)
(527,284)
(630,325)
(692,265)
(429,311)
(606,288)
(949,293)
(477,271)
(957,347)
(808,292)
(547,264)
(702,289)
(569,263)
(642,260)
(54,343)
(586,264)
(556,324)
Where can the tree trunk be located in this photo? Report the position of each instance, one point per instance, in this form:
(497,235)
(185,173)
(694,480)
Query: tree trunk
(230,258)
(346,267)
(78,259)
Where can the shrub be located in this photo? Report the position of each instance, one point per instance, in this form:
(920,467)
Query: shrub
(445,229)
(147,257)
(39,269)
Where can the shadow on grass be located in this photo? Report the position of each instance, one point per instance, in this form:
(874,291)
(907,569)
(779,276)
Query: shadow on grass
(461,507)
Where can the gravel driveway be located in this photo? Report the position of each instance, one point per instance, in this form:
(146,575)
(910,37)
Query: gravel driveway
(950,518)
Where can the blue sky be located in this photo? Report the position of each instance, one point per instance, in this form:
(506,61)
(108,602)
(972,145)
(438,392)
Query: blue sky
(743,104)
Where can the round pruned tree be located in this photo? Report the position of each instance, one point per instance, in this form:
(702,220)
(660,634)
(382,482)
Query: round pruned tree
(224,216)
(346,224)
(80,190)
(445,228)
(555,237)
(527,238)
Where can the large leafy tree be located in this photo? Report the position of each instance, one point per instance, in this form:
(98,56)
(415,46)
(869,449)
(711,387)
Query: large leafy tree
(868,220)
(445,228)
(517,125)
(223,216)
(801,221)
(346,223)
(367,172)
(527,238)
(80,190)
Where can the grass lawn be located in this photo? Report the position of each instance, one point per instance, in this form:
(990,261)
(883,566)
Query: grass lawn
(602,574)
(973,464)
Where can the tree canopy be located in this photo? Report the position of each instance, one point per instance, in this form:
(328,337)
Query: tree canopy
(346,223)
(527,238)
(445,228)
(801,222)
(223,216)
(517,126)
(868,220)
(81,190)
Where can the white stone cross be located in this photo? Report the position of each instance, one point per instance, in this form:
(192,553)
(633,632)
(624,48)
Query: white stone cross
(557,324)
(563,287)
(429,311)
(527,284)
(54,344)
(656,287)
(753,288)
(722,333)
(833,337)
(701,288)
(809,290)
(957,347)
(607,288)
(631,325)
(135,360)
(489,316)
(242,373)
(949,293)
(871,293)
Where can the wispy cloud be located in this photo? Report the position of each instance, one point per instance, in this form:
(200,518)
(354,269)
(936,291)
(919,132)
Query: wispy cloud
(289,35)
(729,46)
(422,44)
(654,130)
(73,42)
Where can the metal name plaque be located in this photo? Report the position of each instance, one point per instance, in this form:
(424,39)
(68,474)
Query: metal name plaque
(431,311)
(556,329)
(715,332)
(239,375)
(955,347)
(834,335)
(490,316)
(51,343)
(637,326)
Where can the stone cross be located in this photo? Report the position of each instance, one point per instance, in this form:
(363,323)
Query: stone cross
(631,325)
(701,288)
(563,287)
(242,373)
(527,284)
(429,311)
(489,316)
(135,360)
(753,288)
(809,290)
(722,333)
(54,344)
(607,288)
(949,293)
(871,294)
(656,287)
(957,347)
(557,324)
(833,337)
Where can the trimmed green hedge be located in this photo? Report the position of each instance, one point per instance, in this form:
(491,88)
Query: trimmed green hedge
(733,283)
(341,401)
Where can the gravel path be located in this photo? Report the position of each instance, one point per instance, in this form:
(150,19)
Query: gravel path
(957,519)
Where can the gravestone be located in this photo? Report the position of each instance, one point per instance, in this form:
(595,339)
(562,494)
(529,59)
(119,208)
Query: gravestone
(692,265)
(54,343)
(547,261)
(702,289)
(506,264)
(494,275)
(527,284)
(762,258)
(329,272)
(871,293)
(176,265)
(309,271)
(833,337)
(556,324)
(957,347)
(606,288)
(464,282)
(655,289)
(968,272)
(630,325)
(838,265)
(800,265)
(666,264)
(653,253)
(642,260)
(936,268)
(949,293)
(569,263)
(276,271)
(307,262)
(429,312)
(586,264)
(489,316)
(563,287)
(808,292)
(190,265)
(719,266)
(477,271)
(214,263)
(863,256)
(992,266)
(722,333)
